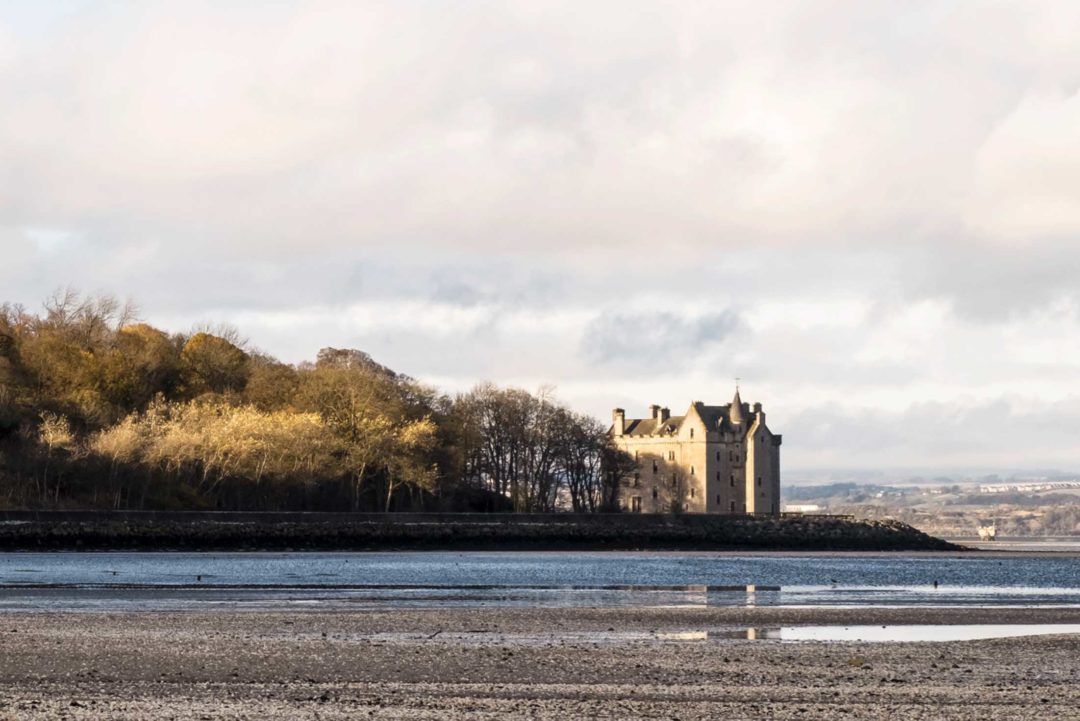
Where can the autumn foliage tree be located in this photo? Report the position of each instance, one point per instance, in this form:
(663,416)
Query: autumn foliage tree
(98,409)
(211,364)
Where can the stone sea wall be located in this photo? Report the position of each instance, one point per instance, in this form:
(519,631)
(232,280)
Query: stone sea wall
(325,531)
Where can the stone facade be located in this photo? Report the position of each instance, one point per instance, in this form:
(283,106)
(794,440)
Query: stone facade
(713,459)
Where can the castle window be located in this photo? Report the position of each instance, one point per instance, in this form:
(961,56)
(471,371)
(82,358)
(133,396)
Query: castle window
(671,455)
(718,455)
(654,493)
(635,455)
(759,481)
(691,492)
(674,480)
(718,475)
(691,432)
(733,506)
(718,499)
(691,470)
(686,506)
(732,480)
(654,466)
(637,477)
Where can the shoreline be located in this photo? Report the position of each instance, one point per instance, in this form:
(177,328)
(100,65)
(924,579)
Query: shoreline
(523,663)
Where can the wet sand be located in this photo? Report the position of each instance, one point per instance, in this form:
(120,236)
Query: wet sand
(527,663)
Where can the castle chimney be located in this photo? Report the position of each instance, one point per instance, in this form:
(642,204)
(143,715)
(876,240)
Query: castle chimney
(618,421)
(759,413)
(654,412)
(665,413)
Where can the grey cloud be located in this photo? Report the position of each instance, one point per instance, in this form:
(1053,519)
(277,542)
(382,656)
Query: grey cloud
(1004,432)
(799,159)
(991,282)
(642,340)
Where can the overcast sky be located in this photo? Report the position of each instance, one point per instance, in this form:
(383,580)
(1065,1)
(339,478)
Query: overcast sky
(868,211)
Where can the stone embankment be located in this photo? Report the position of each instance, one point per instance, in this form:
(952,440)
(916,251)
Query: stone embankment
(344,531)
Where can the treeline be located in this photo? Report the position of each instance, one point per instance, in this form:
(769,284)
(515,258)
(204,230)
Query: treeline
(98,410)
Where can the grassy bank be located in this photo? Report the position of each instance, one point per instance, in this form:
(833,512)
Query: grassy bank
(102,531)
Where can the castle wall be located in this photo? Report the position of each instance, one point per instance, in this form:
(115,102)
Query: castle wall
(727,475)
(671,472)
(762,471)
(700,476)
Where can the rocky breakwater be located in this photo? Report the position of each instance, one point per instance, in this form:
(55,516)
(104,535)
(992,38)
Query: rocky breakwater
(149,531)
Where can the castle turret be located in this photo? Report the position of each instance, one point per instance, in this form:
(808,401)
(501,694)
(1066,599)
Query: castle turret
(736,414)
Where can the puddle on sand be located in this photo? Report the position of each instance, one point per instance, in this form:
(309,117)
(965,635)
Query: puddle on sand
(931,633)
(888,634)
(836,634)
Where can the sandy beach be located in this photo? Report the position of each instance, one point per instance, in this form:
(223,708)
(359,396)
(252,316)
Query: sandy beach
(525,663)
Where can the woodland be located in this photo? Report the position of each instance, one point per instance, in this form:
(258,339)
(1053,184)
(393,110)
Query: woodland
(99,410)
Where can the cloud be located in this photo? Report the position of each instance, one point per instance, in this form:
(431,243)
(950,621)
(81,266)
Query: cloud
(850,205)
(661,341)
(1003,432)
(1028,170)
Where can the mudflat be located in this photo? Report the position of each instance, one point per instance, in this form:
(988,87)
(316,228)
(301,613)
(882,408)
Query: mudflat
(526,663)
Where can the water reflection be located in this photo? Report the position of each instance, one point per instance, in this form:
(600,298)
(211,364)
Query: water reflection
(906,633)
(929,633)
(774,634)
(751,595)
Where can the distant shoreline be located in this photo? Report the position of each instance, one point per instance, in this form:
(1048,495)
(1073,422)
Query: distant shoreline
(99,531)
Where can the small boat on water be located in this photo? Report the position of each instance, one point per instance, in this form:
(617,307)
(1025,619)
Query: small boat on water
(988,533)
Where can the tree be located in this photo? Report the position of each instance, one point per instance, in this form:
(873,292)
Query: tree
(581,446)
(56,437)
(141,364)
(350,359)
(380,419)
(154,420)
(409,458)
(62,353)
(211,364)
(617,467)
(528,448)
(123,445)
(271,385)
(10,381)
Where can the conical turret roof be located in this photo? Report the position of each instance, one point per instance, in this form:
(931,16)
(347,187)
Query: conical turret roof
(736,414)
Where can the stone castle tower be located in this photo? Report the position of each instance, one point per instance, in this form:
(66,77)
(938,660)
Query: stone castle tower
(713,459)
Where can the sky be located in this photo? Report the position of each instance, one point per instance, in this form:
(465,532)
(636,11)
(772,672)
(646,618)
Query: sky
(867,211)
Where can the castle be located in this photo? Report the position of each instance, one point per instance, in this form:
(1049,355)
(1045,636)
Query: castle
(714,459)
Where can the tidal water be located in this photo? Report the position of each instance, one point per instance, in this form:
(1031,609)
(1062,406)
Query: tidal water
(202,581)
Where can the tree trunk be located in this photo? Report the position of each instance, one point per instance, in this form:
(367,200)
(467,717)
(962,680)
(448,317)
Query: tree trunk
(389,493)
